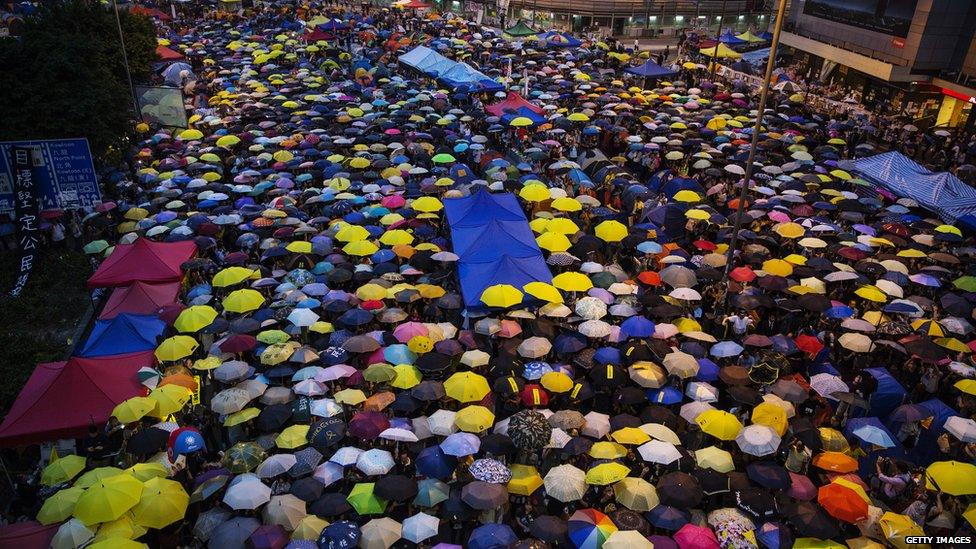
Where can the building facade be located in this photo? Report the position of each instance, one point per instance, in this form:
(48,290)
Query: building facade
(914,58)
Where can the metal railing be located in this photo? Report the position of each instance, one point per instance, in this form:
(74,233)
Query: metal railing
(849,46)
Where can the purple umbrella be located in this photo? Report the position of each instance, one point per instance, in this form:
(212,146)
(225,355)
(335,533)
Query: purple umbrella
(368,425)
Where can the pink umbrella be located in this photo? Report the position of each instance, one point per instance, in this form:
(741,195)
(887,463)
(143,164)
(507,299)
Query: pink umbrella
(801,488)
(393,201)
(510,328)
(407,330)
(696,537)
(779,217)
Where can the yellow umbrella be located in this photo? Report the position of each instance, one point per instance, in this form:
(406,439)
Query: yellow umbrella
(208,363)
(292,437)
(777,267)
(553,242)
(578,117)
(572,282)
(611,230)
(227,141)
(59,506)
(122,529)
(427,204)
(967,386)
(195,318)
(243,301)
(309,528)
(605,449)
(191,134)
(350,396)
(948,229)
(108,499)
(169,399)
(557,382)
(862,542)
(716,123)
(231,276)
(695,213)
(636,494)
(360,248)
(133,409)
(520,122)
(62,469)
(686,196)
(90,478)
(543,291)
(535,193)
(566,204)
(372,292)
(466,387)
(630,435)
(525,480)
(117,543)
(897,527)
(147,470)
(501,295)
(955,478)
(871,293)
(162,503)
(352,233)
(607,473)
(299,247)
(407,376)
(719,423)
(396,236)
(790,230)
(715,459)
(953,344)
(474,419)
(561,225)
(816,543)
(176,347)
(359,163)
(245,415)
(771,415)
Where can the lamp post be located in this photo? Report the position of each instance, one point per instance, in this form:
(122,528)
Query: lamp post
(718,36)
(125,59)
(763,96)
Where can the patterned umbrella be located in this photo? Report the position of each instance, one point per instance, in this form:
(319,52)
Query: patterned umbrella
(589,528)
(305,462)
(490,470)
(242,457)
(343,534)
(529,430)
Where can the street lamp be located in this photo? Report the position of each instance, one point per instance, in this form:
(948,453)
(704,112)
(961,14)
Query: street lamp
(125,59)
(763,96)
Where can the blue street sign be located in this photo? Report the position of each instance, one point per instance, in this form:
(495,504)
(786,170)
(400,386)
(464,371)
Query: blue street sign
(63,170)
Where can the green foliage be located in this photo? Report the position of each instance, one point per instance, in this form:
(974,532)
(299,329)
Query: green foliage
(37,326)
(66,76)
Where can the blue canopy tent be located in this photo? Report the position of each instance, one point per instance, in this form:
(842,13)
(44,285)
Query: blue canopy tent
(125,333)
(494,243)
(454,74)
(942,192)
(731,39)
(523,112)
(888,395)
(557,39)
(650,69)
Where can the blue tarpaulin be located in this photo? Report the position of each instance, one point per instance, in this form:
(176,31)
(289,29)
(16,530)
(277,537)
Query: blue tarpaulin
(729,38)
(559,39)
(650,69)
(926,449)
(942,192)
(456,75)
(889,394)
(125,333)
(495,245)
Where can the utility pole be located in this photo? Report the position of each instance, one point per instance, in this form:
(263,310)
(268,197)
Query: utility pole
(756,130)
(718,35)
(125,60)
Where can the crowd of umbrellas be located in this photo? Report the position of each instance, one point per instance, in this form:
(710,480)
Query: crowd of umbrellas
(323,383)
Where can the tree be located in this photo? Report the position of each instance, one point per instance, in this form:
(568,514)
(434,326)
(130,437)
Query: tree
(66,78)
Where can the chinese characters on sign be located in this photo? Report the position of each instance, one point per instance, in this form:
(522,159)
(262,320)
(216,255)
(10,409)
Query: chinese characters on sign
(25,205)
(64,175)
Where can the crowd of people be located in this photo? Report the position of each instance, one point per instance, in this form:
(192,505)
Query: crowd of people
(815,388)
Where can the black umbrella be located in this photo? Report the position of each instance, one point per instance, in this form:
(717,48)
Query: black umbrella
(273,418)
(497,444)
(712,482)
(483,496)
(549,528)
(756,502)
(329,505)
(326,433)
(769,475)
(306,461)
(396,488)
(428,390)
(307,489)
(679,490)
(808,519)
(147,441)
(529,430)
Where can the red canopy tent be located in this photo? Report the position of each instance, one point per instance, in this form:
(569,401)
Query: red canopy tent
(415,5)
(514,101)
(27,535)
(168,54)
(143,261)
(149,12)
(62,399)
(318,34)
(140,298)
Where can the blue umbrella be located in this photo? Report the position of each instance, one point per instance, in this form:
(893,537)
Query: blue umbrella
(607,355)
(569,342)
(431,492)
(665,395)
(637,326)
(188,440)
(399,354)
(772,535)
(461,444)
(434,463)
(707,370)
(874,435)
(340,535)
(536,369)
(492,536)
(839,311)
(725,349)
(667,517)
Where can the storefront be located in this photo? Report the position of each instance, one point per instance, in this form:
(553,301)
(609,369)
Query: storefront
(956,110)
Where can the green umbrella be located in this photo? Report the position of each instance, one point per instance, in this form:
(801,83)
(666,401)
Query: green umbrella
(443,158)
(243,456)
(431,492)
(364,501)
(96,246)
(965,283)
(603,279)
(379,373)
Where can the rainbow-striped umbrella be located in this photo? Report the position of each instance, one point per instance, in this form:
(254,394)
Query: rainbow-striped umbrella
(589,528)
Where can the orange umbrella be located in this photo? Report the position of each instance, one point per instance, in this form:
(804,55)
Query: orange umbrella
(836,462)
(842,502)
(183,380)
(379,401)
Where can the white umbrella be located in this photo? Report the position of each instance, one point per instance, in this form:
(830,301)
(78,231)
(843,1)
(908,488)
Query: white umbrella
(565,483)
(230,400)
(657,451)
(687,294)
(558,439)
(858,343)
(827,384)
(594,328)
(681,364)
(275,465)
(71,534)
(285,510)
(303,318)
(597,425)
(591,308)
(380,533)
(627,539)
(475,358)
(661,432)
(399,435)
(247,491)
(441,422)
(325,407)
(328,473)
(420,527)
(758,440)
(346,456)
(691,410)
(375,462)
(702,392)
(534,347)
(962,428)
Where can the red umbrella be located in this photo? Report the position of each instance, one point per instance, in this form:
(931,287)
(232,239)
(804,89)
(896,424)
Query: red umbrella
(238,343)
(696,537)
(809,344)
(742,274)
(269,536)
(842,502)
(534,395)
